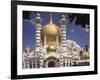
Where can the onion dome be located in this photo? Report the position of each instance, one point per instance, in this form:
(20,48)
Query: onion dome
(50,28)
(51,48)
(51,31)
(84,54)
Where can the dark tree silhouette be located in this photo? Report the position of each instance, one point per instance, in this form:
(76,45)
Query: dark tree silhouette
(80,19)
(26,14)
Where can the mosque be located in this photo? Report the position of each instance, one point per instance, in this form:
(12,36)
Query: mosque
(52,48)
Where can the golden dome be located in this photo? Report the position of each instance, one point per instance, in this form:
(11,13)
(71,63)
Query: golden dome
(51,48)
(84,55)
(50,29)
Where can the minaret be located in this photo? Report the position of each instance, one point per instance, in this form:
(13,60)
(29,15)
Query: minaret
(38,32)
(38,50)
(63,23)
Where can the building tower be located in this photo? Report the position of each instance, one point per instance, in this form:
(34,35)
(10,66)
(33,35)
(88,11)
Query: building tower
(38,49)
(63,23)
(38,30)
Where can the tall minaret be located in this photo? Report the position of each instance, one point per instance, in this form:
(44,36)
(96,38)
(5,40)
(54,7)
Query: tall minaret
(38,32)
(38,40)
(38,29)
(63,23)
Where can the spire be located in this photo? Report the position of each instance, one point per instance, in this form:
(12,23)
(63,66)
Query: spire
(63,20)
(50,17)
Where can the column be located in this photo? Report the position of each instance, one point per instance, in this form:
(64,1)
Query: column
(45,41)
(35,63)
(57,41)
(65,63)
(61,61)
(28,64)
(57,45)
(68,62)
(32,64)
(45,45)
(41,62)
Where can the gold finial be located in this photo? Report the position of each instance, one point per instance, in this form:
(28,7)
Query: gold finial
(50,17)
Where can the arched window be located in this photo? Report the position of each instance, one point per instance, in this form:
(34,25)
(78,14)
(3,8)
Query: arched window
(51,64)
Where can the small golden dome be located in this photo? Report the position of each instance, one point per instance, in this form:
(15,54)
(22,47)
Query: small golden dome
(51,48)
(84,55)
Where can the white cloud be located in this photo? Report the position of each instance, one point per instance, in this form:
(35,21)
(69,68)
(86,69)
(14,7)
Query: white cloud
(87,28)
(71,43)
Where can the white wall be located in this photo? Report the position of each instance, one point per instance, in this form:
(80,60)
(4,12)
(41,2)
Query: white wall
(5,29)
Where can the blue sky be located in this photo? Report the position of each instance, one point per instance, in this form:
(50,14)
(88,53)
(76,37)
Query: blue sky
(75,33)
